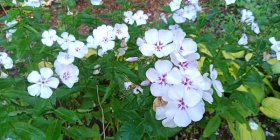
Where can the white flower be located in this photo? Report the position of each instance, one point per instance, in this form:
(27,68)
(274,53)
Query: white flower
(247,16)
(5,60)
(65,58)
(216,83)
(255,27)
(10,32)
(186,62)
(175,4)
(66,39)
(128,17)
(121,31)
(91,42)
(177,113)
(183,46)
(158,77)
(77,49)
(69,13)
(140,18)
(43,83)
(96,2)
(34,3)
(228,2)
(243,40)
(253,125)
(105,36)
(207,94)
(67,73)
(178,16)
(190,12)
(157,42)
(49,37)
(175,28)
(275,46)
(14,2)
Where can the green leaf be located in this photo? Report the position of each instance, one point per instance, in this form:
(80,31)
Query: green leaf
(67,115)
(28,132)
(212,126)
(54,130)
(83,133)
(270,107)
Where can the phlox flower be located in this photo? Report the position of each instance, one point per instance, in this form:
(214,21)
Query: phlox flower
(128,17)
(68,74)
(156,42)
(183,46)
(91,42)
(65,40)
(275,46)
(177,113)
(216,83)
(5,60)
(243,40)
(43,82)
(140,17)
(255,27)
(228,2)
(158,78)
(121,31)
(175,4)
(178,16)
(247,16)
(77,49)
(190,12)
(49,37)
(104,36)
(10,32)
(65,58)
(185,62)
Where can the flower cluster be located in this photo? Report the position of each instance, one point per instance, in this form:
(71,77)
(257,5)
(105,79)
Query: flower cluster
(178,82)
(12,30)
(37,3)
(103,37)
(189,11)
(248,18)
(139,17)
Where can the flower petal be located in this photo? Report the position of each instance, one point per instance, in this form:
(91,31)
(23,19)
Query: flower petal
(163,66)
(46,72)
(46,92)
(152,74)
(196,112)
(151,36)
(53,82)
(34,90)
(33,77)
(182,119)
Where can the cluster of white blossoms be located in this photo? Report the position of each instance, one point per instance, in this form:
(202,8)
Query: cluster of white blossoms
(139,17)
(178,82)
(103,39)
(36,3)
(248,18)
(189,11)
(12,30)
(104,36)
(275,46)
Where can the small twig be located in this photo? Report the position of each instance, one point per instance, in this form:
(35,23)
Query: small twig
(3,9)
(103,125)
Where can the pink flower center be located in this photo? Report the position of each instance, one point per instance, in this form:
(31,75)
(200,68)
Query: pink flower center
(187,82)
(162,79)
(77,49)
(66,75)
(181,104)
(119,31)
(158,46)
(184,65)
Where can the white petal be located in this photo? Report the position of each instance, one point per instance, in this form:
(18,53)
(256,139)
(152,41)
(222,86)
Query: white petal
(272,40)
(33,77)
(169,122)
(163,66)
(168,49)
(192,97)
(174,76)
(152,74)
(176,92)
(53,82)
(46,73)
(34,90)
(165,36)
(182,119)
(218,87)
(46,92)
(146,49)
(151,36)
(196,112)
(158,90)
(189,47)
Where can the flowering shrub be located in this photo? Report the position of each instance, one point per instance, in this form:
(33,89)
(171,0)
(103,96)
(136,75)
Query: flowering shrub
(192,69)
